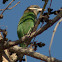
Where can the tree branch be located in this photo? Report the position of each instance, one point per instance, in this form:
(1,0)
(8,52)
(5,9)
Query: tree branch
(11,7)
(1,51)
(33,54)
(4,54)
(7,7)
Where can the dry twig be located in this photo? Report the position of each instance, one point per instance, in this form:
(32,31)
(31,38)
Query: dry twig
(53,36)
(54,32)
(11,7)
(7,7)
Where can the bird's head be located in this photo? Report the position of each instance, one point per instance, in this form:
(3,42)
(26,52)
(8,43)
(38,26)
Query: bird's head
(34,8)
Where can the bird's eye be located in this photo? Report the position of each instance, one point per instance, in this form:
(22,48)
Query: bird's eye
(35,7)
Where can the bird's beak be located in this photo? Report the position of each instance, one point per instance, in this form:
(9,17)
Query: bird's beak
(40,9)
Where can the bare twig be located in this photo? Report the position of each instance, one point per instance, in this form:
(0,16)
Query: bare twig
(7,7)
(50,4)
(11,7)
(14,5)
(46,1)
(53,36)
(25,58)
(54,33)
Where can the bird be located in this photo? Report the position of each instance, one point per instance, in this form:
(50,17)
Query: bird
(27,22)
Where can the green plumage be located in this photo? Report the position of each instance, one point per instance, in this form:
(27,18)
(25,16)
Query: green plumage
(26,24)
